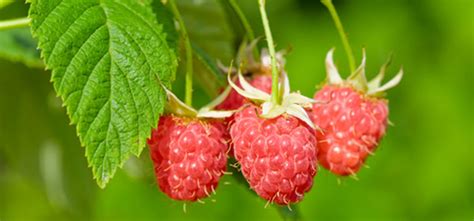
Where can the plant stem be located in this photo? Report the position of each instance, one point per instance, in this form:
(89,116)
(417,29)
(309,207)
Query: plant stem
(271,48)
(245,23)
(14,23)
(189,54)
(342,33)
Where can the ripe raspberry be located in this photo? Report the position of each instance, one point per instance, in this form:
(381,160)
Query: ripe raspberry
(189,156)
(353,116)
(278,156)
(234,100)
(352,125)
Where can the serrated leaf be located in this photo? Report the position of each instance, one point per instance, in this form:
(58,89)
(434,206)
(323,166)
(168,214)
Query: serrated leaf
(109,60)
(165,16)
(18,45)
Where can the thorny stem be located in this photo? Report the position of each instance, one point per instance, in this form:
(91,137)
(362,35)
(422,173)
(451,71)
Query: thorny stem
(14,23)
(189,54)
(342,33)
(245,23)
(271,48)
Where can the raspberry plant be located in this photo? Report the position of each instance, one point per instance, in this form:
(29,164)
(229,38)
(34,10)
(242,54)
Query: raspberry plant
(113,63)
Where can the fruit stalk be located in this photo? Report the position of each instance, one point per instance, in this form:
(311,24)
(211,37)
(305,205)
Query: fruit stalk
(188,99)
(271,48)
(342,33)
(14,23)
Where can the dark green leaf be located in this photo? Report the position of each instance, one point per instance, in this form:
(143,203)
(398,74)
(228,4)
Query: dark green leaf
(165,17)
(209,77)
(208,27)
(213,40)
(109,61)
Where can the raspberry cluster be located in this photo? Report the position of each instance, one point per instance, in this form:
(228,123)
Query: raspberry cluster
(278,144)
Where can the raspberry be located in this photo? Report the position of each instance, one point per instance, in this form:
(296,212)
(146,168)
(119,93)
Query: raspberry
(189,156)
(352,115)
(262,82)
(277,156)
(352,125)
(234,100)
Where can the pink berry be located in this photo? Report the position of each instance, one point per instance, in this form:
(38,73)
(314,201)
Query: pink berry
(189,156)
(352,125)
(277,156)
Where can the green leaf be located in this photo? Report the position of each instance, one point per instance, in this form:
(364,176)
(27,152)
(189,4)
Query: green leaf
(165,16)
(18,45)
(109,61)
(208,27)
(212,38)
(209,76)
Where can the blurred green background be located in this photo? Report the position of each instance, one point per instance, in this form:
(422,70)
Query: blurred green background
(423,170)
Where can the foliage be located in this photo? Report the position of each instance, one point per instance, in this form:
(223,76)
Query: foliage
(18,45)
(110,61)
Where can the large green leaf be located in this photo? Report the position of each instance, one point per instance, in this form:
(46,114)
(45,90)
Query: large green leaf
(18,45)
(208,27)
(109,61)
(213,39)
(209,77)
(165,17)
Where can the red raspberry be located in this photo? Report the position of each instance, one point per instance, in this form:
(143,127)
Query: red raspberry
(189,156)
(262,82)
(234,100)
(352,125)
(278,156)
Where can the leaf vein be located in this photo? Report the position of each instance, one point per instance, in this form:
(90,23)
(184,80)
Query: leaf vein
(119,140)
(68,28)
(133,97)
(147,62)
(85,84)
(159,35)
(95,118)
(72,59)
(47,15)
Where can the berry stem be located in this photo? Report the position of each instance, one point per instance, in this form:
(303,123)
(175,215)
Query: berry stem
(189,54)
(245,24)
(14,23)
(342,33)
(271,48)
